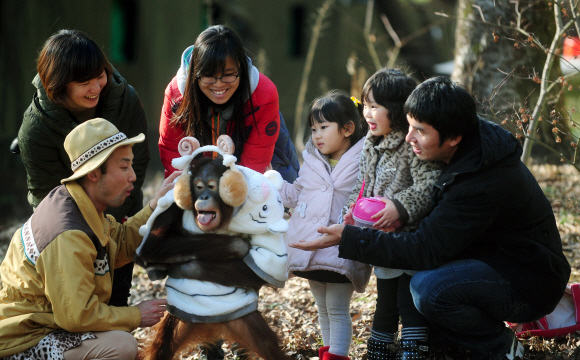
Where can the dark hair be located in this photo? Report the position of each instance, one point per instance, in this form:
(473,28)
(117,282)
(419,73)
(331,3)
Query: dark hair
(444,105)
(390,89)
(69,55)
(336,106)
(211,50)
(102,167)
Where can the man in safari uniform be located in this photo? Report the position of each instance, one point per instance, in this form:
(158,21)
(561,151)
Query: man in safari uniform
(57,274)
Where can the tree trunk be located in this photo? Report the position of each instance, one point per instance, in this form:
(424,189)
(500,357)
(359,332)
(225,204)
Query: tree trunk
(480,62)
(497,65)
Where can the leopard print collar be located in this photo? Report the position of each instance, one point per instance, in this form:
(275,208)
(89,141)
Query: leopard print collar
(392,141)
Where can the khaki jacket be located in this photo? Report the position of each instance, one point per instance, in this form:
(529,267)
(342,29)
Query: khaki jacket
(56,273)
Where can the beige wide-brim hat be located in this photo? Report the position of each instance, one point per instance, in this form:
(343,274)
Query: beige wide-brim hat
(91,143)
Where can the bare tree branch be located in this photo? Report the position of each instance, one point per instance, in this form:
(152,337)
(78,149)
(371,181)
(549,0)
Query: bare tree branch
(399,44)
(531,138)
(480,12)
(367,34)
(543,85)
(390,30)
(575,16)
(518,29)
(415,34)
(316,33)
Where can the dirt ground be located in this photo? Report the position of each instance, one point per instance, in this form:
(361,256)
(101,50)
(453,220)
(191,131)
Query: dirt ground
(291,311)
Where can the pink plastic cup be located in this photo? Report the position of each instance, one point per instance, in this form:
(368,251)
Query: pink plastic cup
(364,209)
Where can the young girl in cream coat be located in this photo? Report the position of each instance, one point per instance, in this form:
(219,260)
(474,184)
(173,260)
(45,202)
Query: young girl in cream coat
(326,179)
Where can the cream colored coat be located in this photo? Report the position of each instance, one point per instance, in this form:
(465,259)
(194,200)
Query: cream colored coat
(318,196)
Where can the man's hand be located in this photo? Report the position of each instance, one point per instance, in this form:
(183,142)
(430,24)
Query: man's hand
(151,311)
(386,217)
(165,187)
(330,236)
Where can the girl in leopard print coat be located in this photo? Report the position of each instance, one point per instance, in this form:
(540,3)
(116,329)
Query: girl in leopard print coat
(389,169)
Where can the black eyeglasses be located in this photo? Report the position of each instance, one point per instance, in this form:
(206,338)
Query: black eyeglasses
(212,79)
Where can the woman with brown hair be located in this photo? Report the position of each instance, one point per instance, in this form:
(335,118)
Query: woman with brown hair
(75,83)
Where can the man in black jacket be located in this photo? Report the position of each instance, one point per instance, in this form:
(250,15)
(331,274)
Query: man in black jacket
(490,250)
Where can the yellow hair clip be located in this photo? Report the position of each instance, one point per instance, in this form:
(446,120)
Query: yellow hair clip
(355,101)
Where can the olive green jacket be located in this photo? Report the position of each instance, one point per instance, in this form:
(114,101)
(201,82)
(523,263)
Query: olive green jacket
(46,124)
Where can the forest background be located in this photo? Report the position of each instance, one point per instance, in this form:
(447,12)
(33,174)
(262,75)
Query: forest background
(518,59)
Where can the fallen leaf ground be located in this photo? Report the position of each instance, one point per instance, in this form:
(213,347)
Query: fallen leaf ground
(291,311)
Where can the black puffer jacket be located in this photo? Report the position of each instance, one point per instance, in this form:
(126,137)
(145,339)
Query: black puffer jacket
(46,124)
(488,207)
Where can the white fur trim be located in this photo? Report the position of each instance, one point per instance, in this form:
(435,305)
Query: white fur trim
(269,254)
(230,161)
(275,178)
(181,163)
(205,298)
(280,226)
(162,205)
(189,223)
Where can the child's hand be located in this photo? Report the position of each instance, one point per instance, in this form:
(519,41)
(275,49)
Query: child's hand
(396,225)
(387,216)
(347,218)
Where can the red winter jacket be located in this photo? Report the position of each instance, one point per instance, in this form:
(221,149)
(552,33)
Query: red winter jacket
(259,146)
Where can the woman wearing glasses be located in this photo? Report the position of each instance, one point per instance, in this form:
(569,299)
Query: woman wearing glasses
(218,91)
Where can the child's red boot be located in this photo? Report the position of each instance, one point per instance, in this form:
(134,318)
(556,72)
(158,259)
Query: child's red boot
(331,356)
(321,351)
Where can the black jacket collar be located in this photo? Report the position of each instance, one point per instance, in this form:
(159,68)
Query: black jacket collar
(489,146)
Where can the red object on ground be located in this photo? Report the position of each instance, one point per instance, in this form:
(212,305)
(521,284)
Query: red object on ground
(571,47)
